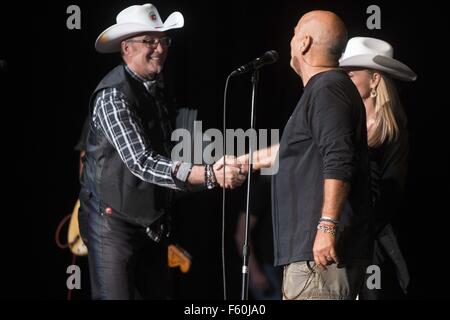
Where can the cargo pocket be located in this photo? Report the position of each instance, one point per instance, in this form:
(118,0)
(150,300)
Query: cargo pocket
(297,281)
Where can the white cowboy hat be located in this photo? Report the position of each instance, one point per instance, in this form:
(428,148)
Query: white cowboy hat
(375,54)
(134,20)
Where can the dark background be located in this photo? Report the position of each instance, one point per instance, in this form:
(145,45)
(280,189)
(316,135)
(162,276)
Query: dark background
(52,71)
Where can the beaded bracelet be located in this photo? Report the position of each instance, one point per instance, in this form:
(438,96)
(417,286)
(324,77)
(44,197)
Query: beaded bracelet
(327,229)
(210,178)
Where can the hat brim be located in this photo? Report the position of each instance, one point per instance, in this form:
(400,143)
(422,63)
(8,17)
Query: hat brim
(388,65)
(109,40)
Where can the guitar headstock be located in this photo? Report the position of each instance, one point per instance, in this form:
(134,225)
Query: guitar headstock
(178,257)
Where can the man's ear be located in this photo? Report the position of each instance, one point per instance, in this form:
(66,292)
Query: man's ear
(305,44)
(124,48)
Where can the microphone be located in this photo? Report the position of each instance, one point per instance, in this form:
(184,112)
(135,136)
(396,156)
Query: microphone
(267,58)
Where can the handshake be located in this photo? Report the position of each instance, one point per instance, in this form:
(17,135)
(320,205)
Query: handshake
(230,172)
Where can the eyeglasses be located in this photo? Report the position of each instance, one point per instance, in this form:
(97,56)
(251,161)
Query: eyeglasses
(153,43)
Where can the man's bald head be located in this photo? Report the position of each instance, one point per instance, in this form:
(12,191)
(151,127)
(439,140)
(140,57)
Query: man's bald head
(326,30)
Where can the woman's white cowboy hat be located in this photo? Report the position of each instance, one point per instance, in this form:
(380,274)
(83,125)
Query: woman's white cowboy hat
(375,54)
(134,20)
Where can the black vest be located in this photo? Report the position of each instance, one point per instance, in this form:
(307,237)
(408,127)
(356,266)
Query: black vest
(107,176)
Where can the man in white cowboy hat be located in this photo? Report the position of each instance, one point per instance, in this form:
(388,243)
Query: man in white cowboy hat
(128,173)
(370,64)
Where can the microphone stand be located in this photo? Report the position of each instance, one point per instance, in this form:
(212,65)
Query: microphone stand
(245,248)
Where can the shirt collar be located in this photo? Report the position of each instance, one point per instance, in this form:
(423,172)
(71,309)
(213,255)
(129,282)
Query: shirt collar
(150,85)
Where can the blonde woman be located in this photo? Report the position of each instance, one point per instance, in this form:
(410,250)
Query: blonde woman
(371,66)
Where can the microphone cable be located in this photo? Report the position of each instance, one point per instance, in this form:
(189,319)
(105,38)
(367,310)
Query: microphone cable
(223,189)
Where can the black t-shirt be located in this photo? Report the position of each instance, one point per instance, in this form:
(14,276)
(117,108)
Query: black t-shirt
(325,138)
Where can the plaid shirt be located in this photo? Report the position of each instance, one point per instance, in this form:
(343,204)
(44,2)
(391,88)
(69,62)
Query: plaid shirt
(112,116)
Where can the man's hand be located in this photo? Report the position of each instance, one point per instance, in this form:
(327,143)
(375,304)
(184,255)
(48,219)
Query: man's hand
(244,161)
(263,158)
(234,175)
(324,248)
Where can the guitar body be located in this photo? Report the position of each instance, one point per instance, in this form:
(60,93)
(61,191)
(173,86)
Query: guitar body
(74,240)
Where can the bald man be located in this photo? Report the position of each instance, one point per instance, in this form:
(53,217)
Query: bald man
(321,217)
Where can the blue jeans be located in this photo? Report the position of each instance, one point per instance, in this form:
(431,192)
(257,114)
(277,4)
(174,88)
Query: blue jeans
(124,263)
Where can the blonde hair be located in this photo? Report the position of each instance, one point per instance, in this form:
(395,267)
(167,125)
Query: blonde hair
(389,114)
